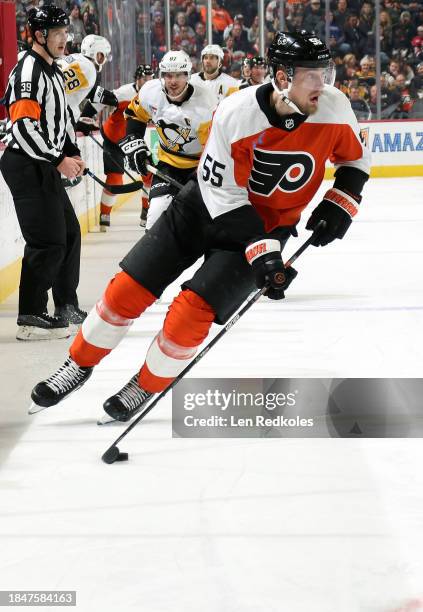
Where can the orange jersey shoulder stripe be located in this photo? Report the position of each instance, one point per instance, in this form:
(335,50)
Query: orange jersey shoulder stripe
(25,108)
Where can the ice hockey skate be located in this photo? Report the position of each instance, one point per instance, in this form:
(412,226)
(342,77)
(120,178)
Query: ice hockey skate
(104,222)
(126,403)
(72,314)
(67,379)
(42,327)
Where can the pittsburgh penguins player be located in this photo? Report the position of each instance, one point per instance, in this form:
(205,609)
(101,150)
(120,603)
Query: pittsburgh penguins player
(181,113)
(212,76)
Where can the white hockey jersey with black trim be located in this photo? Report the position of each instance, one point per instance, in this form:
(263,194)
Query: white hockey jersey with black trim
(182,127)
(80,77)
(223,85)
(255,157)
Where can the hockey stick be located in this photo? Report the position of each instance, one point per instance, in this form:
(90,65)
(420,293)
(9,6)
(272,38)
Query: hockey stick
(164,177)
(116,189)
(113,454)
(112,158)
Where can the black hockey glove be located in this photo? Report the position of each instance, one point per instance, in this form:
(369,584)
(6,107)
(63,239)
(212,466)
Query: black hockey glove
(104,96)
(86,125)
(336,210)
(137,152)
(265,257)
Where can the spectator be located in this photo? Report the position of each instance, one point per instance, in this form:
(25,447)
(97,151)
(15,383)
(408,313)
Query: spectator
(237,19)
(385,33)
(354,37)
(158,34)
(360,107)
(200,36)
(416,84)
(184,40)
(406,102)
(337,43)
(341,14)
(240,39)
(192,13)
(295,22)
(366,18)
(402,33)
(272,11)
(417,44)
(220,19)
(254,31)
(366,74)
(394,9)
(389,99)
(90,25)
(313,15)
(76,28)
(181,21)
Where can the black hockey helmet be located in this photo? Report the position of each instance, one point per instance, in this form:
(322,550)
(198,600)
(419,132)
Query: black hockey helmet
(300,48)
(258,60)
(45,18)
(143,70)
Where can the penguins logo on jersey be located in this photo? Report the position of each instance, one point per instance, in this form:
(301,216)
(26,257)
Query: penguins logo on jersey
(173,136)
(286,171)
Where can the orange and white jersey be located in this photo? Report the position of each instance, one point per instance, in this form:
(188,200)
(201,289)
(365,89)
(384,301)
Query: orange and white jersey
(276,164)
(182,127)
(115,125)
(223,85)
(80,77)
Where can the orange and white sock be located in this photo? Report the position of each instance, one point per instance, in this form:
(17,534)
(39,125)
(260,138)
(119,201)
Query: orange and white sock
(186,326)
(109,321)
(108,199)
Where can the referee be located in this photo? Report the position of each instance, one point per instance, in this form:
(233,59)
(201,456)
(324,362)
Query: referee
(41,145)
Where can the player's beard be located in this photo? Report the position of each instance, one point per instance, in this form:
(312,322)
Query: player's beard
(211,71)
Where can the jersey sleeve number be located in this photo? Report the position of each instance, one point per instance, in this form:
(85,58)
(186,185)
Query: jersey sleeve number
(72,81)
(211,172)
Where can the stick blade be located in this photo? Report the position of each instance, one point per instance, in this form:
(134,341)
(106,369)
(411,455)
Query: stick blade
(128,188)
(111,455)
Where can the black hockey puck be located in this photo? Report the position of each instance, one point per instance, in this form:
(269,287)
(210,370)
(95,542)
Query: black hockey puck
(123,457)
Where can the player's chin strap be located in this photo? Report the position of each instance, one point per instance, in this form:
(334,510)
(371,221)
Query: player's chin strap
(283,94)
(179,97)
(45,46)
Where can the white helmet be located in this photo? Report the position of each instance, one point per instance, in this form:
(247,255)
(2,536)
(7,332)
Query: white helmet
(93,44)
(175,61)
(213,50)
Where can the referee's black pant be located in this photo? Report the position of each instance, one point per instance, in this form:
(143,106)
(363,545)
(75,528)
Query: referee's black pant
(50,229)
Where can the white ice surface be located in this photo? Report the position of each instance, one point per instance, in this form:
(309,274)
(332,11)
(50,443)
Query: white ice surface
(291,525)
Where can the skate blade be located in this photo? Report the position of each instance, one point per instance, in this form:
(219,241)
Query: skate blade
(106,420)
(34,408)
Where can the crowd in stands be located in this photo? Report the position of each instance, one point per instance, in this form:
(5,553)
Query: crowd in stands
(351,38)
(236,28)
(83,15)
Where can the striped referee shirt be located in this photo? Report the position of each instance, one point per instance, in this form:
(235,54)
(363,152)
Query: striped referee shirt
(39,124)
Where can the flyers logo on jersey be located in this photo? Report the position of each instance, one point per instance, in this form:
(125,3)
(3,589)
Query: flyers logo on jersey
(285,171)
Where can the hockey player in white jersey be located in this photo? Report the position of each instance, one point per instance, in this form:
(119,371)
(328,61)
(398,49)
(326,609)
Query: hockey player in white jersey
(82,77)
(182,114)
(113,131)
(212,76)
